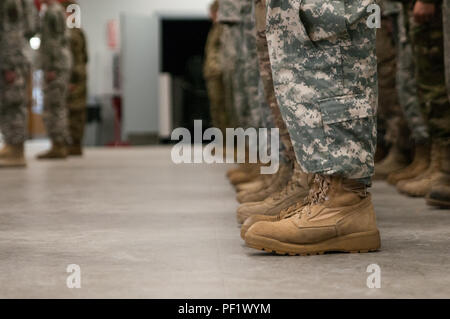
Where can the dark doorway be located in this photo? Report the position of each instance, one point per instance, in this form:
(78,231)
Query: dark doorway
(183,45)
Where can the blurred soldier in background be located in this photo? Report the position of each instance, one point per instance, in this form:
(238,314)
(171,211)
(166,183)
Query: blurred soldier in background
(77,92)
(392,126)
(272,197)
(426,23)
(17,24)
(409,101)
(56,65)
(213,73)
(230,18)
(439,195)
(251,112)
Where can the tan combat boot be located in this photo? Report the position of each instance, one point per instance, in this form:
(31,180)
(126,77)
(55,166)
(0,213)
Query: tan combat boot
(421,185)
(246,173)
(339,218)
(75,150)
(295,191)
(261,182)
(12,156)
(394,161)
(417,167)
(58,151)
(285,213)
(282,178)
(440,193)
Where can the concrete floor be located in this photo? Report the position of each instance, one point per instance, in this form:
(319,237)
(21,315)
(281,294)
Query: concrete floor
(141,227)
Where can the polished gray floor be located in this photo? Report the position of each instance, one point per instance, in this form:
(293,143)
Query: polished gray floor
(141,227)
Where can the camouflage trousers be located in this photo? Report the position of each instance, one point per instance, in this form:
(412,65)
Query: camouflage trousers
(216,93)
(265,69)
(325,78)
(251,112)
(231,63)
(77,122)
(392,125)
(428,48)
(13,107)
(55,113)
(406,81)
(446,15)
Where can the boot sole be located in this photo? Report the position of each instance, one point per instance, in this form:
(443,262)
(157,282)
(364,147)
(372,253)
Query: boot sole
(12,165)
(353,243)
(437,203)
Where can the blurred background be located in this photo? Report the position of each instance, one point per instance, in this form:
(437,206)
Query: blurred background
(144,73)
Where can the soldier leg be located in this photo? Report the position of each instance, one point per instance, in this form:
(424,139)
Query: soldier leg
(77,121)
(13,112)
(215,87)
(56,116)
(428,48)
(439,194)
(394,132)
(251,75)
(228,61)
(446,15)
(289,187)
(407,94)
(325,77)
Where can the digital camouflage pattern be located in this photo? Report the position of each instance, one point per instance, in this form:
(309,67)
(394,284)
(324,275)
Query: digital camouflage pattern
(229,16)
(229,59)
(265,68)
(251,108)
(13,95)
(55,57)
(229,11)
(406,80)
(325,76)
(428,49)
(77,96)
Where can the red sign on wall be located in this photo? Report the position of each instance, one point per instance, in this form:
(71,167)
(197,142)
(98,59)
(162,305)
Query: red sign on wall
(113,34)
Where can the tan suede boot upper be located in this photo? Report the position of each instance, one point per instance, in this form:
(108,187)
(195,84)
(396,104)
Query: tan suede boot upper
(417,167)
(261,182)
(247,173)
(394,161)
(421,185)
(58,151)
(282,178)
(340,217)
(439,194)
(295,191)
(12,156)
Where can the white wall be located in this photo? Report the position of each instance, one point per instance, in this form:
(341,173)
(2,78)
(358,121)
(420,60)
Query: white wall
(95,16)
